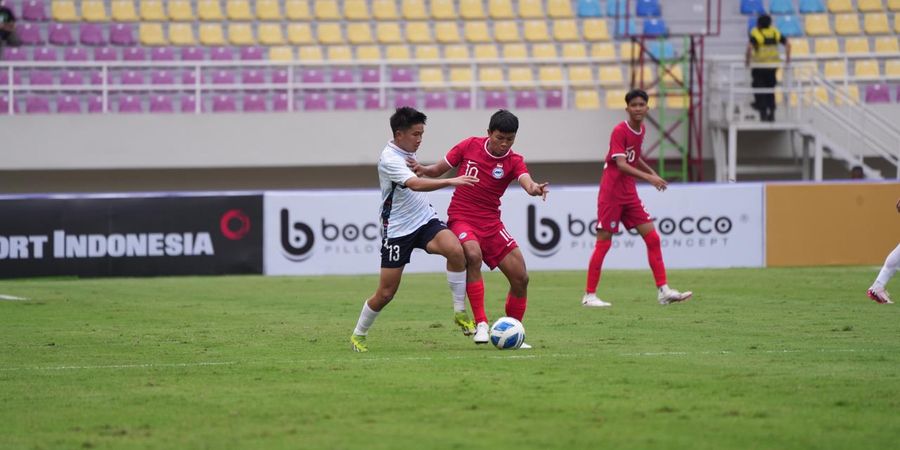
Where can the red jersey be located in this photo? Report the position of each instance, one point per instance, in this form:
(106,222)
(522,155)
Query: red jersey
(481,202)
(615,186)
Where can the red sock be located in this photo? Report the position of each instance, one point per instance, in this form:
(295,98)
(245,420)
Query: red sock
(515,307)
(475,291)
(654,255)
(593,275)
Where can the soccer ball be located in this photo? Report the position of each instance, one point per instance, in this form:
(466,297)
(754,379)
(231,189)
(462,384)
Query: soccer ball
(507,333)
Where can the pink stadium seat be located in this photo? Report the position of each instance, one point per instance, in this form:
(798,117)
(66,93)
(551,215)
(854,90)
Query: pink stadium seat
(134,54)
(371,100)
(161,77)
(105,54)
(162,54)
(222,76)
(436,100)
(161,104)
(37,105)
(61,34)
(280,102)
(314,101)
(405,99)
(252,53)
(341,75)
(95,104)
(495,100)
(75,54)
(131,78)
(344,101)
(30,34)
(463,100)
(14,54)
(40,78)
(401,75)
(34,11)
(44,54)
(224,103)
(68,104)
(371,75)
(189,77)
(122,34)
(221,54)
(312,76)
(130,104)
(280,76)
(4,77)
(71,78)
(189,104)
(553,99)
(90,34)
(253,76)
(4,105)
(526,99)
(878,93)
(191,54)
(254,103)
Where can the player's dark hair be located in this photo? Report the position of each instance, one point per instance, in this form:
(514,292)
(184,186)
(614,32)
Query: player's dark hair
(764,21)
(405,117)
(634,93)
(504,122)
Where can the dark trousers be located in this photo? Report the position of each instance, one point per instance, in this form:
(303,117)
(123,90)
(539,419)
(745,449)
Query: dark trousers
(764,103)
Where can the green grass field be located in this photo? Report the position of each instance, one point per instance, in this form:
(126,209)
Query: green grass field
(759,358)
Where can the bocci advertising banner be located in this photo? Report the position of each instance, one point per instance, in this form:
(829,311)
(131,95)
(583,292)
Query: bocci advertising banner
(131,235)
(700,225)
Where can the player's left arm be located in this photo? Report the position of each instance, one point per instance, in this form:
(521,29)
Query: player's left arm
(646,167)
(532,188)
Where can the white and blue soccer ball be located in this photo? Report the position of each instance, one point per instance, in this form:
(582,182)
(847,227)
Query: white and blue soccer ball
(507,333)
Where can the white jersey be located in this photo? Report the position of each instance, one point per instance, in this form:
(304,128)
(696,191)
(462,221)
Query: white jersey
(403,210)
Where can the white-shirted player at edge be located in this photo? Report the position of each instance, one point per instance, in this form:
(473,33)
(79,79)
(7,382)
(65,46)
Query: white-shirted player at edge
(877,292)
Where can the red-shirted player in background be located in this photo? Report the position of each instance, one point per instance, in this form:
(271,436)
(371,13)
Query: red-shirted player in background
(474,212)
(618,202)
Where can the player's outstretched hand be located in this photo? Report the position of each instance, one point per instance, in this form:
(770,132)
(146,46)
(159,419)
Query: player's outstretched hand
(417,168)
(541,189)
(658,182)
(464,180)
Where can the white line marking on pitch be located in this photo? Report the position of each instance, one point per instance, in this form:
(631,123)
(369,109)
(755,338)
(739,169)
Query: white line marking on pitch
(121,366)
(11,297)
(729,352)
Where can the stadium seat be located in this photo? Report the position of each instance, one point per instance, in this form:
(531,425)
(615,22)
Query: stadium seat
(506,31)
(476,32)
(123,11)
(297,10)
(595,30)
(359,33)
(789,25)
(211,34)
(840,6)
(436,100)
(485,51)
(130,104)
(282,53)
(418,33)
(181,11)
(521,77)
(550,76)
(886,44)
(270,34)
(63,11)
(160,104)
(781,7)
(339,53)
(456,52)
(68,104)
(851,91)
(210,10)
(853,45)
(29,33)
(41,77)
(748,7)
(152,10)
(151,34)
(61,34)
(660,50)
(299,34)
(75,54)
(413,9)
(878,93)
(100,54)
(647,8)
(251,53)
(531,9)
(162,54)
(431,77)
(835,70)
(553,99)
(876,23)
(514,51)
(536,31)
(368,53)
(404,98)
(492,77)
(588,99)
(37,105)
(574,50)
(329,33)
(799,47)
(224,103)
(610,76)
(525,99)
(589,8)
(583,75)
(496,100)
(345,101)
(238,10)
(866,69)
(310,53)
(870,5)
(620,27)
(447,32)
(35,11)
(672,77)
(565,30)
(471,10)
(443,10)
(356,10)
(847,24)
(811,6)
(253,77)
(326,10)
(893,5)
(388,33)
(427,52)
(560,9)
(162,78)
(897,23)
(384,10)
(655,27)
(500,9)
(817,25)
(892,68)
(604,50)
(827,47)
(181,34)
(545,51)
(268,10)
(397,53)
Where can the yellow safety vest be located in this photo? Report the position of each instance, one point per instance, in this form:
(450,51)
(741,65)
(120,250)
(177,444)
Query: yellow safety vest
(767,40)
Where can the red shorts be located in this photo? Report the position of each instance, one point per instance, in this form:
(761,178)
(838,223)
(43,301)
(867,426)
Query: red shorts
(494,240)
(630,214)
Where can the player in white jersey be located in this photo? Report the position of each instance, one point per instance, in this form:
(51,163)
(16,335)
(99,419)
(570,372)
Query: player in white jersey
(878,292)
(408,221)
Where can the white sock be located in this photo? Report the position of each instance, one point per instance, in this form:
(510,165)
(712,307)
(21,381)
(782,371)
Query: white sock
(457,282)
(366,318)
(890,266)
(664,288)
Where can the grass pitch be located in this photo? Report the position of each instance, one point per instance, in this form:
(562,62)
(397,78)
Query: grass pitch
(759,358)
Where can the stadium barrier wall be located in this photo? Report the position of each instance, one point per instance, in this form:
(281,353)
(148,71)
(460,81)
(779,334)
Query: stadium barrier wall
(131,235)
(831,224)
(701,226)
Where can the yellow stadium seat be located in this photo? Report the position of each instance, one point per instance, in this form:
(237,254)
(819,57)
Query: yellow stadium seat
(281,54)
(847,24)
(94,11)
(414,10)
(446,32)
(587,99)
(329,33)
(521,77)
(894,5)
(605,50)
(550,76)
(835,70)
(840,6)
(476,31)
(818,25)
(123,11)
(240,34)
(326,10)
(854,45)
(799,47)
(515,51)
(270,34)
(461,76)
(647,74)
(886,44)
(359,33)
(851,91)
(269,10)
(356,10)
(471,9)
(427,52)
(492,77)
(892,68)
(63,11)
(560,9)
(610,75)
(151,33)
(431,77)
(299,33)
(870,5)
(418,33)
(500,9)
(803,71)
(209,10)
(310,53)
(506,31)
(181,11)
(866,68)
(573,50)
(628,51)
(595,30)
(531,9)
(211,34)
(456,52)
(536,31)
(397,52)
(384,10)
(876,23)
(673,77)
(368,53)
(897,23)
(152,10)
(388,33)
(676,101)
(238,10)
(565,31)
(443,10)
(820,94)
(182,34)
(827,46)
(581,75)
(485,51)
(297,10)
(545,51)
(615,98)
(339,53)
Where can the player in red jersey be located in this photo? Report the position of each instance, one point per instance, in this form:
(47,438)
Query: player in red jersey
(474,212)
(618,202)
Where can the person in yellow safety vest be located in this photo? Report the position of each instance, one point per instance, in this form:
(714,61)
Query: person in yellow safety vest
(763,49)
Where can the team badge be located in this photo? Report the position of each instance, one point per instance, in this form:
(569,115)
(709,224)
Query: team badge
(612,224)
(497,172)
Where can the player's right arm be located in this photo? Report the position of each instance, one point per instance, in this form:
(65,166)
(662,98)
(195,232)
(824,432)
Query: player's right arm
(433,170)
(433,184)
